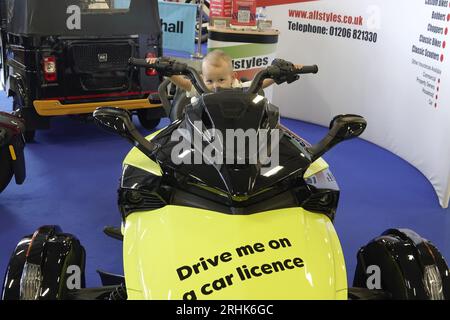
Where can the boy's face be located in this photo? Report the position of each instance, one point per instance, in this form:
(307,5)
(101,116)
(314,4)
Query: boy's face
(217,76)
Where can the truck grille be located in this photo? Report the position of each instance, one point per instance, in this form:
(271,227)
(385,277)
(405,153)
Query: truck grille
(88,58)
(109,81)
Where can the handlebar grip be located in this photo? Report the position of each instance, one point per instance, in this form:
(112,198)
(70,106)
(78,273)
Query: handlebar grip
(139,63)
(308,69)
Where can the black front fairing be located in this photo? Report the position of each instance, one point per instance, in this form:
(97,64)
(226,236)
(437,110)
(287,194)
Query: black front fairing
(236,183)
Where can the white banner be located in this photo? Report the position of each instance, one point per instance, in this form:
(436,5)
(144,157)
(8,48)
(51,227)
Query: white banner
(387,60)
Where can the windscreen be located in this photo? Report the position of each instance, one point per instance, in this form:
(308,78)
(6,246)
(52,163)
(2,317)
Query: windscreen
(225,143)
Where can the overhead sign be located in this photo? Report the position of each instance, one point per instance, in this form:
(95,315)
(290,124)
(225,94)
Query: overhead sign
(178,21)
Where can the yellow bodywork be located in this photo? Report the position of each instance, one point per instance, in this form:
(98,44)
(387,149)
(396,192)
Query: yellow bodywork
(137,159)
(188,253)
(158,243)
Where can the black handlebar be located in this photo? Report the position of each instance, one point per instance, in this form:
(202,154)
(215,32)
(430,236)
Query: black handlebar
(166,66)
(280,71)
(169,67)
(139,63)
(308,69)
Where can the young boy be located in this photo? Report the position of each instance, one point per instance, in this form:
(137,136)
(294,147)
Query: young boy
(217,72)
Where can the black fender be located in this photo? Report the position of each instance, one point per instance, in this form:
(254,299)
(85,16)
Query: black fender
(13,128)
(50,251)
(11,284)
(410,266)
(19,168)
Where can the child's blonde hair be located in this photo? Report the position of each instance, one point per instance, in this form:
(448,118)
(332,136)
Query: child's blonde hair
(216,57)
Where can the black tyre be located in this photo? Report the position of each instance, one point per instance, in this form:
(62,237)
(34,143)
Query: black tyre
(6,168)
(146,121)
(17,104)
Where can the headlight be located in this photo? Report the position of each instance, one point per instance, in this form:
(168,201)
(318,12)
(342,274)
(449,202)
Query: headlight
(433,283)
(30,282)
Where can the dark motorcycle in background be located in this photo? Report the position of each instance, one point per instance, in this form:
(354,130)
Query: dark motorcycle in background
(12,143)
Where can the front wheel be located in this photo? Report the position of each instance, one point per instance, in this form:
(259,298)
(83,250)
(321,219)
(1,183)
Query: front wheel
(146,121)
(6,168)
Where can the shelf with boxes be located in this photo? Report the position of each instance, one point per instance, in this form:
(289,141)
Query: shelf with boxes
(239,15)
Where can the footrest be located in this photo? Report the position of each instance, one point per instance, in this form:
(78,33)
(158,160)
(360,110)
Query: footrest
(113,232)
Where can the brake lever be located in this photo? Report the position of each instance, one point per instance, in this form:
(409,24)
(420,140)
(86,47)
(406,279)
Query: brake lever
(292,78)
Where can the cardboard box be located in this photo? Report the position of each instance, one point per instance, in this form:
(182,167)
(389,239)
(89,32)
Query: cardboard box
(220,8)
(264,25)
(220,22)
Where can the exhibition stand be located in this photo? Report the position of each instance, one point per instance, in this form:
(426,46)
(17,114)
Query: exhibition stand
(393,74)
(251,50)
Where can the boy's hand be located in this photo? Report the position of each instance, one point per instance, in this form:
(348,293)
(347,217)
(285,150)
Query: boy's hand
(151,60)
(284,71)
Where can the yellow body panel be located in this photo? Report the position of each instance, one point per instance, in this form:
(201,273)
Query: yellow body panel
(56,108)
(158,243)
(316,167)
(137,159)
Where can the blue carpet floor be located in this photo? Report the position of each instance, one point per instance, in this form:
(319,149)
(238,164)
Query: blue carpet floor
(73,173)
